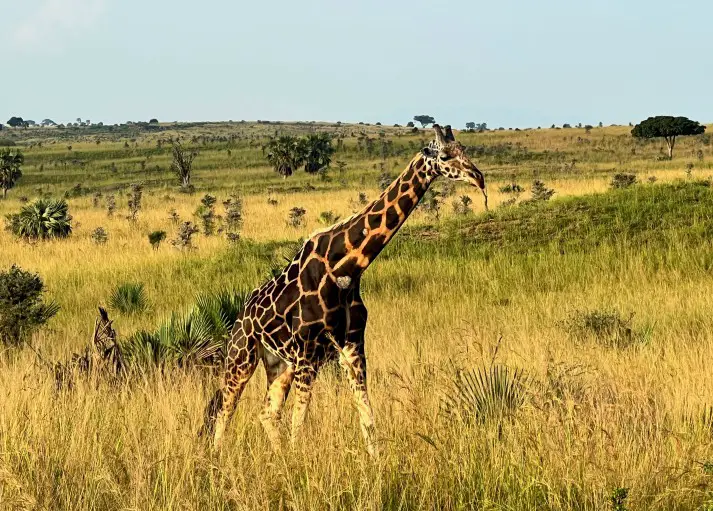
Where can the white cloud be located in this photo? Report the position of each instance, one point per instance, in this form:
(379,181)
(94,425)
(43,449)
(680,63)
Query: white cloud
(55,21)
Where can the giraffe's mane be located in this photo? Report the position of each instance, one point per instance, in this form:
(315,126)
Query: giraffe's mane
(351,217)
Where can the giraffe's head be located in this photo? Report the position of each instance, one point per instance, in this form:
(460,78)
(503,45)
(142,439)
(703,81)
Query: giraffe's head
(447,158)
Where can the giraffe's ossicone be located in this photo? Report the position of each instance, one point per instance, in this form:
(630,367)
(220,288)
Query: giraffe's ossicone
(313,310)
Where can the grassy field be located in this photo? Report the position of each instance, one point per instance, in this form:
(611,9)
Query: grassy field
(600,297)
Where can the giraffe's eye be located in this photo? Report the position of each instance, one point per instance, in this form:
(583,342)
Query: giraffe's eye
(445,157)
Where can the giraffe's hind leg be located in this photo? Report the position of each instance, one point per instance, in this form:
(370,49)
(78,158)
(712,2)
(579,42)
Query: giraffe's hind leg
(279,380)
(243,357)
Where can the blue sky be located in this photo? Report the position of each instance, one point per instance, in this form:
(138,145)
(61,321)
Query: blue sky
(508,63)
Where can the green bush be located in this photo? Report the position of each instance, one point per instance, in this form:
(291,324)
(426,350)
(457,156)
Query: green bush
(22,309)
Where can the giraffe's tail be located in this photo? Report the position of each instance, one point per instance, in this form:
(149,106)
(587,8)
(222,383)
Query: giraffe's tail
(210,414)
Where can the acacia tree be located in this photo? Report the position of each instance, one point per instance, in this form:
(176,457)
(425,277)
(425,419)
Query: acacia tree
(182,164)
(668,128)
(10,172)
(424,120)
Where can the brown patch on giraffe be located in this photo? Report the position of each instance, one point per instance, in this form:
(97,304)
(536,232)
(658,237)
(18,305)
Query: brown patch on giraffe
(392,217)
(311,275)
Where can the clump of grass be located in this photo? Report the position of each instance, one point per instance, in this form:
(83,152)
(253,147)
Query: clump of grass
(623,180)
(100,236)
(486,394)
(129,298)
(607,327)
(155,238)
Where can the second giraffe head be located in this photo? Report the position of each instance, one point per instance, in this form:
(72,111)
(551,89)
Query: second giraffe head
(447,158)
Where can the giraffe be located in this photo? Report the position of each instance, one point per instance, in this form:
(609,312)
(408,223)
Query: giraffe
(313,311)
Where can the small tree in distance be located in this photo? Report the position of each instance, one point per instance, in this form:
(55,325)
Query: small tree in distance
(424,120)
(668,128)
(182,164)
(10,172)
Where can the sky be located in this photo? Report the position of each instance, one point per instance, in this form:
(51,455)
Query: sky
(511,63)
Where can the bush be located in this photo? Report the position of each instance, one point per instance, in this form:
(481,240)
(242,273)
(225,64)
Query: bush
(296,217)
(22,309)
(43,219)
(185,233)
(328,217)
(623,180)
(607,327)
(129,298)
(540,192)
(461,206)
(511,188)
(156,237)
(100,236)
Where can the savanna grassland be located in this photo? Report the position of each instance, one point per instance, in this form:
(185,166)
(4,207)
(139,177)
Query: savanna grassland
(600,298)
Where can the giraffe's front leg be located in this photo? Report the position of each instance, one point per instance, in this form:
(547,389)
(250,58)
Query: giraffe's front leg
(305,373)
(353,360)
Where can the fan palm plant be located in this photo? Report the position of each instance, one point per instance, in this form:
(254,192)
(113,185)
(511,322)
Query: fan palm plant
(485,394)
(43,219)
(129,298)
(317,151)
(285,154)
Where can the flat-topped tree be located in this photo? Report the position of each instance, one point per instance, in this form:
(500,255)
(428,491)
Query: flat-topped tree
(424,120)
(668,128)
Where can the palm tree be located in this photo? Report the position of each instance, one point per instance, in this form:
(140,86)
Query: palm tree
(285,154)
(42,219)
(10,171)
(317,151)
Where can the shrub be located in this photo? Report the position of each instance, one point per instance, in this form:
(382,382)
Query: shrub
(362,199)
(100,236)
(182,166)
(110,205)
(540,192)
(22,309)
(431,203)
(617,498)
(461,206)
(272,201)
(233,213)
(385,179)
(206,214)
(95,199)
(607,327)
(296,217)
(155,238)
(129,298)
(328,217)
(485,394)
(652,179)
(43,219)
(623,180)
(135,196)
(183,237)
(511,188)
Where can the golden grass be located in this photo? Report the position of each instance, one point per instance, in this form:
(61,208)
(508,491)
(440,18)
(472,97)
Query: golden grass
(595,418)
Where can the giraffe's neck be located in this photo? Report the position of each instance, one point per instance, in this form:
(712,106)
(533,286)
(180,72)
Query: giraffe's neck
(356,243)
